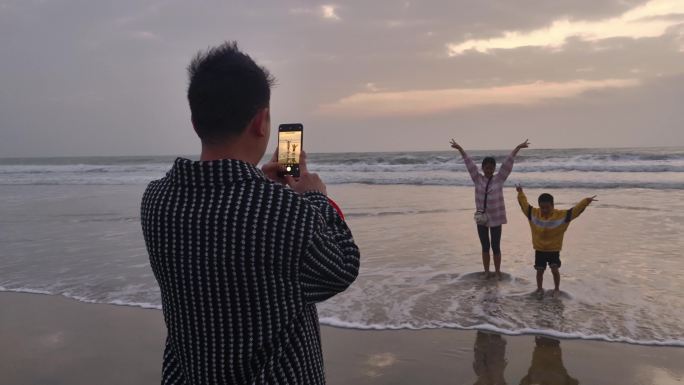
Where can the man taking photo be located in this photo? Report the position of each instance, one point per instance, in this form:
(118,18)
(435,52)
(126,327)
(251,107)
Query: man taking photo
(242,254)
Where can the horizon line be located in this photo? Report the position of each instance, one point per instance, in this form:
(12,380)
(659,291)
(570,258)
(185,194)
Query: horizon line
(342,152)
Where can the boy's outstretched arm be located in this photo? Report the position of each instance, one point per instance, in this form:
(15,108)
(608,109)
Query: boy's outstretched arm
(579,208)
(522,200)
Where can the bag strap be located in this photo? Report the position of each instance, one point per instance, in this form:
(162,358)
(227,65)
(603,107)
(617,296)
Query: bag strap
(487,192)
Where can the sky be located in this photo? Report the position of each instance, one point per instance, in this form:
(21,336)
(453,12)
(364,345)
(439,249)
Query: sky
(83,78)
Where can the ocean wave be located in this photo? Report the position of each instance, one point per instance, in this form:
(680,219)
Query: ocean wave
(542,156)
(81,168)
(549,184)
(372,181)
(518,168)
(397,212)
(340,323)
(337,322)
(82,298)
(648,168)
(160,171)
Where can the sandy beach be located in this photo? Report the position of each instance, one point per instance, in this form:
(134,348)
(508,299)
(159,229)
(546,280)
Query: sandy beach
(55,340)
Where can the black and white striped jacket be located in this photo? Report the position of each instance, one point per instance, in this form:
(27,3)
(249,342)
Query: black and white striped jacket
(241,261)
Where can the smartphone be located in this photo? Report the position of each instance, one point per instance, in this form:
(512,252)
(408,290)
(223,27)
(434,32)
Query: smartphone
(290,136)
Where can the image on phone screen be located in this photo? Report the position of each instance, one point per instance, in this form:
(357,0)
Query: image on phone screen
(289,147)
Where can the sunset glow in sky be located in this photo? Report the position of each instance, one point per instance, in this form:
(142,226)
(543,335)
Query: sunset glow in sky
(89,78)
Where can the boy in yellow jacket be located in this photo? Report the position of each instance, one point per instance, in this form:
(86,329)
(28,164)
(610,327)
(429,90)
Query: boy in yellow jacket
(548,226)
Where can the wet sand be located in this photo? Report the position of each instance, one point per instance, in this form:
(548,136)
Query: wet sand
(55,340)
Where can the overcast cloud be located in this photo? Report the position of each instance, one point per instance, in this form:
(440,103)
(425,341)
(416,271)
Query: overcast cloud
(108,78)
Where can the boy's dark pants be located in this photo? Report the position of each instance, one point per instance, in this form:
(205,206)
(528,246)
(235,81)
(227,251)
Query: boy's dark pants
(541,259)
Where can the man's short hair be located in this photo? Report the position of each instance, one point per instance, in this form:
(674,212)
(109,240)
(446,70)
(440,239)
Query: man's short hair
(227,88)
(545,198)
(489,160)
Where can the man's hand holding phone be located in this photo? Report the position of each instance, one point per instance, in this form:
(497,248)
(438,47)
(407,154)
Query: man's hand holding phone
(306,181)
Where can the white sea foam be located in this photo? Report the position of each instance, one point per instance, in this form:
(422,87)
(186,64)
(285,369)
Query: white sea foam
(24,290)
(82,298)
(336,322)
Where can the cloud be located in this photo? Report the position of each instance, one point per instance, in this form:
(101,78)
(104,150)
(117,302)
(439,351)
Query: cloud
(142,14)
(329,12)
(424,102)
(324,11)
(649,20)
(372,87)
(144,35)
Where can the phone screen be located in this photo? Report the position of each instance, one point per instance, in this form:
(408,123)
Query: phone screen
(290,147)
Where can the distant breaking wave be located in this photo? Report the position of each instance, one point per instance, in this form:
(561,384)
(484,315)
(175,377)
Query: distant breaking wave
(579,168)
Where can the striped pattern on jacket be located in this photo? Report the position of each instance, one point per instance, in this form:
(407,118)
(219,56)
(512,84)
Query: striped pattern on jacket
(241,262)
(496,209)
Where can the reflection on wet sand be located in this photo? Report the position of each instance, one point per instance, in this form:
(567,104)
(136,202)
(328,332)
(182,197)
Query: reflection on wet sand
(490,359)
(547,365)
(546,368)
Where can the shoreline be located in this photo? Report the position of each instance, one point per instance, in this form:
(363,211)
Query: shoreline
(338,325)
(57,340)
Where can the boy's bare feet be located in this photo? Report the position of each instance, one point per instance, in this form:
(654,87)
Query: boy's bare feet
(487,274)
(498,275)
(540,293)
(556,293)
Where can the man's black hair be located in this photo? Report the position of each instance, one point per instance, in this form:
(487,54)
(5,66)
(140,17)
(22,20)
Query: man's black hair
(488,160)
(227,88)
(545,198)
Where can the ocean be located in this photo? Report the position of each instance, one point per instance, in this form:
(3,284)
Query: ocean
(71,227)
